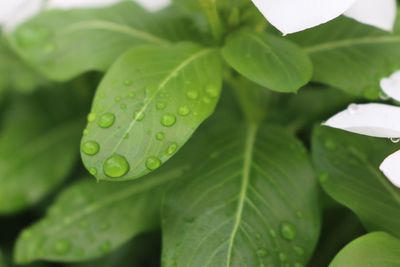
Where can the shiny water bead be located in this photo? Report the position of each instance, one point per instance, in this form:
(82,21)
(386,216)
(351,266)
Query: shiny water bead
(184,110)
(160,136)
(153,163)
(172,149)
(106,120)
(62,247)
(212,91)
(116,166)
(91,117)
(288,231)
(168,120)
(138,116)
(90,148)
(192,94)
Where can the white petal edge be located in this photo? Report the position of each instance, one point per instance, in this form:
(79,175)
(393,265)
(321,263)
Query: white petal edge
(379,120)
(291,16)
(391,168)
(69,4)
(154,5)
(15,12)
(378,13)
(391,86)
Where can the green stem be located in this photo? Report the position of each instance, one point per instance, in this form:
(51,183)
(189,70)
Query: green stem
(211,12)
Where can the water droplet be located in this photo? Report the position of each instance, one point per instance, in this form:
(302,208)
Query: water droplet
(262,252)
(128,82)
(116,166)
(272,233)
(206,100)
(212,91)
(192,94)
(168,120)
(395,140)
(153,163)
(323,177)
(90,148)
(299,250)
(26,234)
(160,136)
(62,246)
(105,247)
(172,149)
(184,110)
(85,131)
(106,120)
(352,108)
(161,105)
(91,117)
(139,115)
(282,257)
(93,171)
(288,231)
(131,95)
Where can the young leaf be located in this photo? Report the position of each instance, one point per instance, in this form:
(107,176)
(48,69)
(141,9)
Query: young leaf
(38,146)
(64,44)
(147,106)
(251,201)
(375,249)
(272,62)
(351,56)
(89,220)
(348,164)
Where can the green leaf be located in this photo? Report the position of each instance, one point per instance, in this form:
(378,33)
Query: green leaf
(14,74)
(147,106)
(2,260)
(351,56)
(63,44)
(250,201)
(39,142)
(348,164)
(272,62)
(375,249)
(89,220)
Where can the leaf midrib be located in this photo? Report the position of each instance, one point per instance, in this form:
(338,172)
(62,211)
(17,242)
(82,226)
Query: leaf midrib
(116,27)
(351,42)
(163,83)
(248,157)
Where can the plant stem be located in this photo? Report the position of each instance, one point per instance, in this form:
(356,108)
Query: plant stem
(211,12)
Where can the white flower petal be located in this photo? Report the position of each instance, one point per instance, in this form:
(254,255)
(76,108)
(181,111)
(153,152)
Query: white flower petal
(13,13)
(68,4)
(378,120)
(391,86)
(154,5)
(391,168)
(291,16)
(378,13)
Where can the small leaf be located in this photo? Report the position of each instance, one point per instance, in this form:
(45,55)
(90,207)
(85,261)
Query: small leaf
(375,249)
(349,173)
(63,44)
(351,56)
(148,105)
(272,62)
(89,220)
(39,145)
(250,201)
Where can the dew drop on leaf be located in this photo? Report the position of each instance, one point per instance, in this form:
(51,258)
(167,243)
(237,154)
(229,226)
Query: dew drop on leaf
(91,117)
(395,140)
(85,132)
(26,234)
(262,252)
(168,120)
(272,233)
(299,250)
(116,166)
(184,110)
(153,163)
(90,148)
(93,171)
(105,247)
(172,149)
(352,108)
(212,91)
(138,116)
(288,231)
(282,256)
(206,100)
(62,247)
(161,105)
(192,94)
(106,120)
(160,136)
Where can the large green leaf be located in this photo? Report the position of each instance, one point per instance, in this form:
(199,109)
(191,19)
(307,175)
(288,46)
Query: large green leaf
(375,249)
(251,201)
(2,260)
(148,105)
(272,62)
(89,220)
(64,44)
(351,56)
(39,144)
(14,74)
(348,164)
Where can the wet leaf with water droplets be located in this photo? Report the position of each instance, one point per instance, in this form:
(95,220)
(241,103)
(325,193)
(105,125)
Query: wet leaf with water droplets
(160,115)
(242,206)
